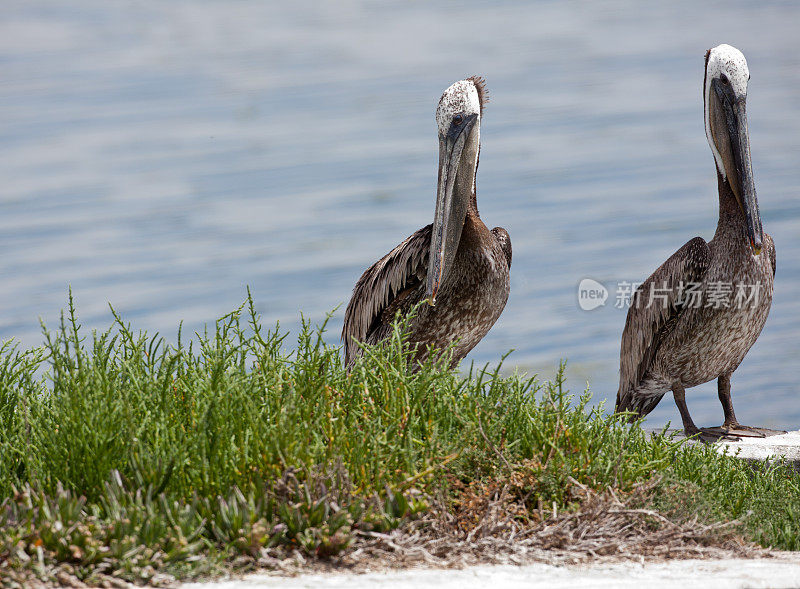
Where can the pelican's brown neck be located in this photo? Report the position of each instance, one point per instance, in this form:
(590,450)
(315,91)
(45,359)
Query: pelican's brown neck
(731,218)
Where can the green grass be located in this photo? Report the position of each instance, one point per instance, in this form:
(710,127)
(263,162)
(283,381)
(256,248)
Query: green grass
(123,454)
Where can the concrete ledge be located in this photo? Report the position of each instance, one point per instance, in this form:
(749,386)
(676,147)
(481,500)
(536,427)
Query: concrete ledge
(786,446)
(763,449)
(780,571)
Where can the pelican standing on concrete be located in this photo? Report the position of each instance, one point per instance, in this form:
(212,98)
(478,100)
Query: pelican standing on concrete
(673,342)
(457,264)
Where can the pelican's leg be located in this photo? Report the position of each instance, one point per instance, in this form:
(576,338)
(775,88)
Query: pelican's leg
(724,393)
(689,428)
(731,425)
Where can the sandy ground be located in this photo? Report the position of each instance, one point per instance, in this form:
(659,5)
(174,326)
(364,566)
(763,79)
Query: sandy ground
(782,571)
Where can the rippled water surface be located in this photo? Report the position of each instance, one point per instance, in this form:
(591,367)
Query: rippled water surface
(161,156)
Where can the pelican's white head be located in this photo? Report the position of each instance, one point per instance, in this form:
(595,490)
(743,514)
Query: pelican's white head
(465,97)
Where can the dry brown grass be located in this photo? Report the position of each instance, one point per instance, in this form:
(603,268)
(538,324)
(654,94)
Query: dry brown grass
(491,524)
(603,527)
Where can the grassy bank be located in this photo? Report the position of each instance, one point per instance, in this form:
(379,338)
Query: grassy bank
(124,456)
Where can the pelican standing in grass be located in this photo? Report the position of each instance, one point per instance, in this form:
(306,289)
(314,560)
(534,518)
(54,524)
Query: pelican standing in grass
(457,264)
(673,342)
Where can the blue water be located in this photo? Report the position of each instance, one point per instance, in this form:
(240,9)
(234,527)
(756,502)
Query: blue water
(161,156)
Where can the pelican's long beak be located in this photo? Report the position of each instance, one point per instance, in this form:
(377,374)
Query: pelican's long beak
(451,208)
(736,119)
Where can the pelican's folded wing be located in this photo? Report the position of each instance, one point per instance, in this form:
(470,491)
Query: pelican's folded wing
(388,280)
(655,308)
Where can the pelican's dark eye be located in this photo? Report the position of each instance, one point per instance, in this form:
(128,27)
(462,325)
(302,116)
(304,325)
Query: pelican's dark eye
(458,119)
(724,79)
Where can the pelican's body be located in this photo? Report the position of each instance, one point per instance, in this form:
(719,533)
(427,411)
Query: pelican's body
(675,339)
(456,263)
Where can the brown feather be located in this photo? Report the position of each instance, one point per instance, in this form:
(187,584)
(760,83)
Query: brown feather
(502,237)
(483,91)
(402,269)
(647,325)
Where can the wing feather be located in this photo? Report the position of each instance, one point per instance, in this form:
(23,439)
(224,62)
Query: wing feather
(504,239)
(772,253)
(651,319)
(394,275)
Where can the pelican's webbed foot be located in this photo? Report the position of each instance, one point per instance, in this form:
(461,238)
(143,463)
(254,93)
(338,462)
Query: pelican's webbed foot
(746,431)
(711,435)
